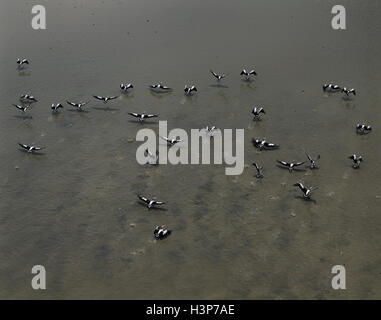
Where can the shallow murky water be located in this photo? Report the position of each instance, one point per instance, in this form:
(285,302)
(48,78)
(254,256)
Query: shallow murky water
(74,209)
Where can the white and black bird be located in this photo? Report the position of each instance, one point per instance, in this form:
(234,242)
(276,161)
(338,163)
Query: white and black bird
(160,232)
(313,161)
(356,160)
(306,191)
(290,165)
(171,141)
(56,106)
(22,108)
(210,130)
(248,74)
(154,157)
(218,76)
(78,105)
(330,87)
(259,174)
(105,99)
(27,98)
(150,202)
(22,61)
(257,111)
(348,91)
(159,86)
(263,144)
(363,128)
(188,90)
(125,86)
(142,116)
(30,148)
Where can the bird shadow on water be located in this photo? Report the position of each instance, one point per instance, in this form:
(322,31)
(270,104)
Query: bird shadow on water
(218,86)
(248,85)
(306,199)
(24,117)
(23,73)
(79,111)
(106,108)
(127,95)
(160,94)
(33,153)
(145,122)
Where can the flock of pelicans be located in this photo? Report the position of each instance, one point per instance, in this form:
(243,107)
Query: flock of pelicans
(160,232)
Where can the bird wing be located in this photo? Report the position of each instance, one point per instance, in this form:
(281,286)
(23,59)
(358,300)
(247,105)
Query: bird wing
(298,163)
(143,199)
(267,144)
(72,103)
(99,97)
(18,107)
(283,162)
(151,115)
(25,146)
(253,72)
(165,138)
(113,97)
(159,202)
(213,73)
(134,114)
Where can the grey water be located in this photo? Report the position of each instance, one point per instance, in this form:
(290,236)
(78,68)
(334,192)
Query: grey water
(74,210)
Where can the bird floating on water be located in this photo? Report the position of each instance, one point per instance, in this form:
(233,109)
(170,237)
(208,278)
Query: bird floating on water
(105,99)
(290,165)
(356,160)
(159,86)
(256,112)
(27,97)
(56,106)
(263,144)
(330,87)
(188,90)
(171,141)
(160,232)
(363,128)
(348,91)
(150,203)
(154,158)
(126,86)
(23,109)
(259,174)
(78,105)
(22,61)
(30,148)
(217,76)
(313,161)
(210,130)
(142,116)
(248,74)
(306,191)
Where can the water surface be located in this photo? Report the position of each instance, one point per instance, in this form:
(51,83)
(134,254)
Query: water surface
(74,209)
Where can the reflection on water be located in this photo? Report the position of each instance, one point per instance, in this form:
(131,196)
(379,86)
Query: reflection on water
(74,209)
